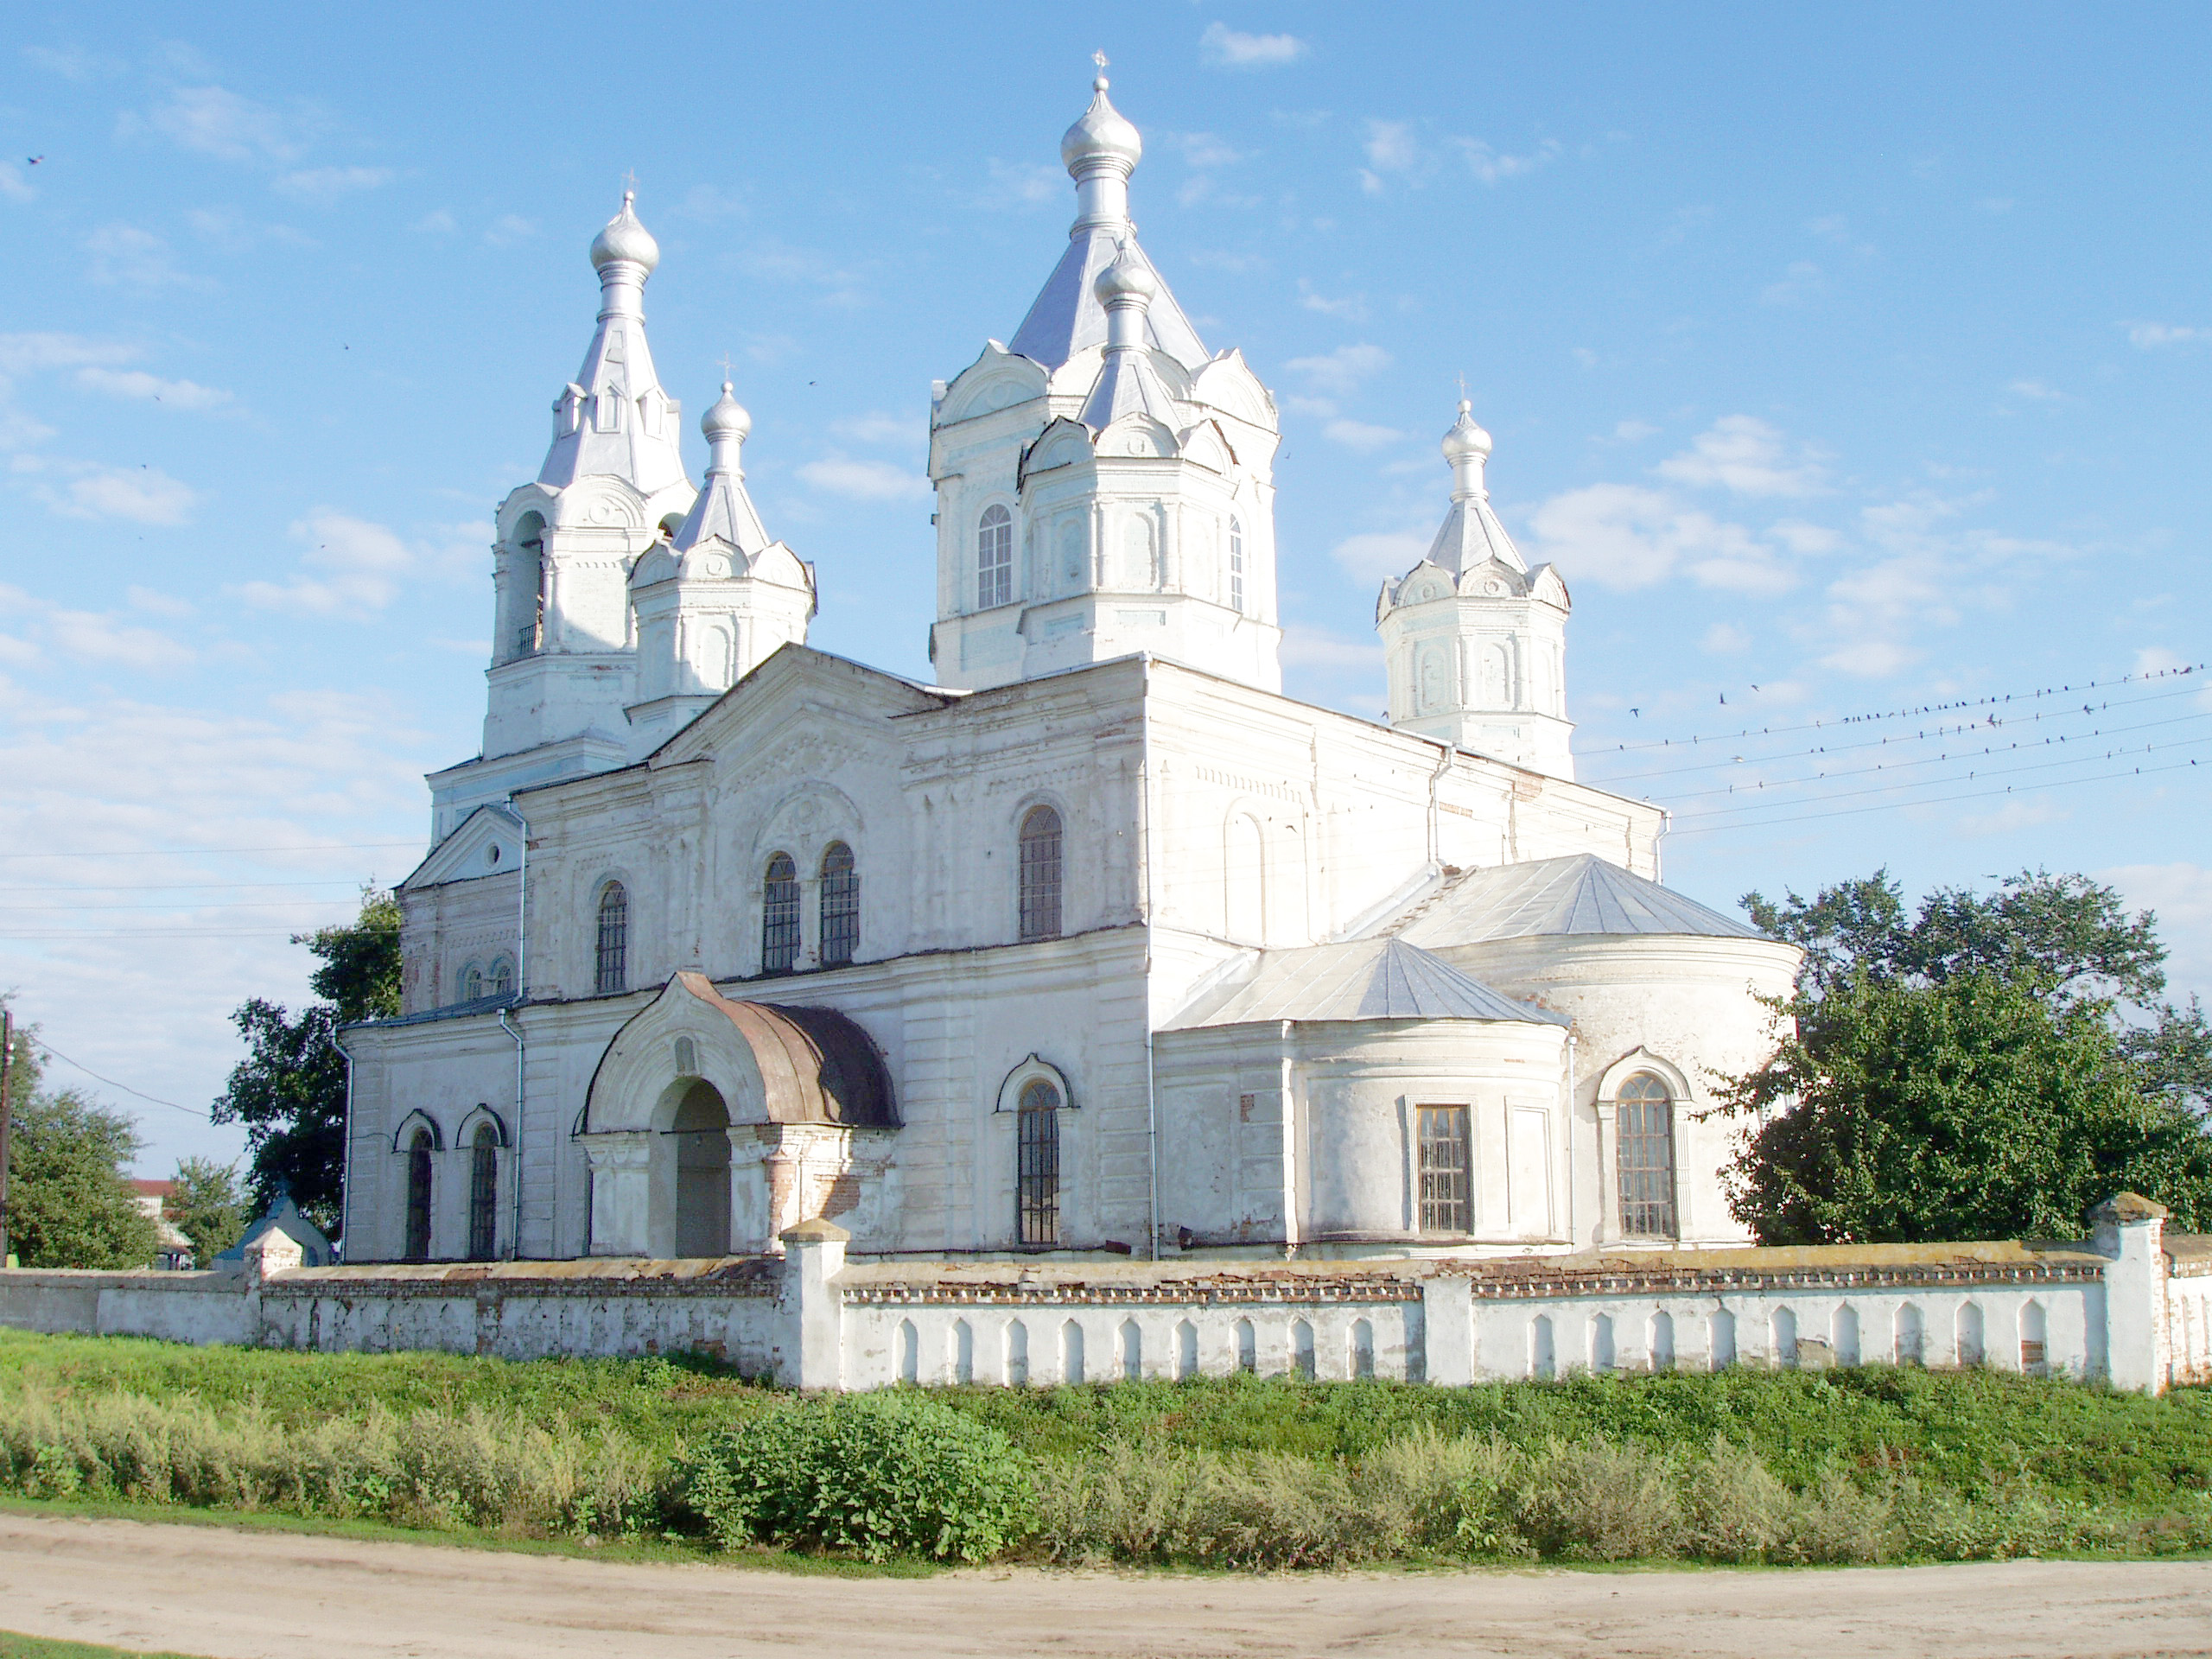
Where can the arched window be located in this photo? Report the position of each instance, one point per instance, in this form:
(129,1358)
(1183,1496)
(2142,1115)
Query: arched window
(613,973)
(419,1169)
(472,983)
(779,915)
(1647,1158)
(502,980)
(994,559)
(1037,1200)
(1040,873)
(483,1193)
(841,905)
(527,577)
(1235,565)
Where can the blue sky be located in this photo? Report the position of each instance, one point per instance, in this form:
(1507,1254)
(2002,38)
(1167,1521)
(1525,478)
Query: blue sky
(1846,361)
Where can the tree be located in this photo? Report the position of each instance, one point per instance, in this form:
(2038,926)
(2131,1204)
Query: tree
(208,1206)
(290,1090)
(1992,1067)
(69,1202)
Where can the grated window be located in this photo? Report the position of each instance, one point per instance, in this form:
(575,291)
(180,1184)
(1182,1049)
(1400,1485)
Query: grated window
(841,905)
(1447,1187)
(994,559)
(779,931)
(614,957)
(1038,1197)
(1647,1158)
(1040,873)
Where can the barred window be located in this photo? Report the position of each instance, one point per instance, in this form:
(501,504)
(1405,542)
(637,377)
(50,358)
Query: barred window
(994,559)
(1446,1191)
(1235,565)
(419,1168)
(841,905)
(779,916)
(472,983)
(1040,873)
(614,974)
(1647,1158)
(483,1193)
(502,980)
(1038,1182)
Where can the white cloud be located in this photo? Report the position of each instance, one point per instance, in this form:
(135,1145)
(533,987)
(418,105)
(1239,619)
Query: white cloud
(83,489)
(865,480)
(159,604)
(124,255)
(136,382)
(1358,435)
(71,63)
(22,353)
(877,427)
(2013,815)
(1723,639)
(437,223)
(1305,646)
(509,229)
(1379,555)
(93,637)
(1021,184)
(1802,281)
(2180,895)
(1871,659)
(2036,391)
(1352,308)
(1744,456)
(1341,371)
(1228,48)
(1807,541)
(1491,167)
(1626,537)
(2149,336)
(1390,149)
(350,565)
(13,187)
(1206,150)
(217,122)
(1634,431)
(321,187)
(710,202)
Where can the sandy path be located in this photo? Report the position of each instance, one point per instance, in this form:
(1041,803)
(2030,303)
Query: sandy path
(246,1595)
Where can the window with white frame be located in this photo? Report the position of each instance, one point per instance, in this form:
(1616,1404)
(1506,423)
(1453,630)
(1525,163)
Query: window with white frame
(1646,1159)
(994,559)
(1446,1170)
(1037,1202)
(1040,873)
(611,963)
(841,905)
(779,928)
(1235,565)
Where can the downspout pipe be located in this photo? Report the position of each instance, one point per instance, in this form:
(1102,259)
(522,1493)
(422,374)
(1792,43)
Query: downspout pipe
(522,995)
(346,1164)
(1151,921)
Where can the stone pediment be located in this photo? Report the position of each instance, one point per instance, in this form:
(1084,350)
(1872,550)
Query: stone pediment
(997,379)
(487,843)
(1063,443)
(795,683)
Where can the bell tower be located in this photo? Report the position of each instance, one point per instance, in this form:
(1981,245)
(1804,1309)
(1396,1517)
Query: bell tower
(563,641)
(1104,486)
(1475,640)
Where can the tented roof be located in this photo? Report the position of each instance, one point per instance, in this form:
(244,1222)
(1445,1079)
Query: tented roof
(1580,894)
(1364,979)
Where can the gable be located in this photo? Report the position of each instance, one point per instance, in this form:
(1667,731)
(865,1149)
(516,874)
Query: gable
(487,843)
(795,682)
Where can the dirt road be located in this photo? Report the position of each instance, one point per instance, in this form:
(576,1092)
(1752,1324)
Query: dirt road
(246,1595)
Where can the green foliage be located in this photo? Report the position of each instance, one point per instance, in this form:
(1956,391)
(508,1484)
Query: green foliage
(69,1204)
(290,1090)
(877,1474)
(13,1646)
(1993,1066)
(1874,1464)
(208,1206)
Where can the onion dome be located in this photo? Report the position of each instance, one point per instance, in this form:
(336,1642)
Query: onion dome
(1465,442)
(1128,277)
(1102,137)
(728,421)
(625,238)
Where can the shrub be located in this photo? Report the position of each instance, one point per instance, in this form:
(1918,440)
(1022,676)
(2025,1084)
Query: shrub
(878,1474)
(1596,1501)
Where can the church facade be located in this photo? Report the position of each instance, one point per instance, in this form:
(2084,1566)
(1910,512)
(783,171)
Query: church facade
(1094,945)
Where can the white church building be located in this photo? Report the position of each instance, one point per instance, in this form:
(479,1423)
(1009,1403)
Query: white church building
(1096,944)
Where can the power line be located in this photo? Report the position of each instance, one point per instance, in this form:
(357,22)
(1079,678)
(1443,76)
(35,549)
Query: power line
(1995,699)
(228,904)
(195,852)
(1929,736)
(1971,795)
(1762,784)
(112,1083)
(177,886)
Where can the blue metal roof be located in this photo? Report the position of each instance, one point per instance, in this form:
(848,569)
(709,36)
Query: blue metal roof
(1582,895)
(1364,979)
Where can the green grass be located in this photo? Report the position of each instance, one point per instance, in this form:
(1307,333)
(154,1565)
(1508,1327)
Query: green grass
(13,1646)
(2133,1472)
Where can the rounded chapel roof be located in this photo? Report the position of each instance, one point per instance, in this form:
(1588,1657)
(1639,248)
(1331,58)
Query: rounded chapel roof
(624,238)
(1103,134)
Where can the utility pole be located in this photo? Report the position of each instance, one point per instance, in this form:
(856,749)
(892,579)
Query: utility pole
(7,1067)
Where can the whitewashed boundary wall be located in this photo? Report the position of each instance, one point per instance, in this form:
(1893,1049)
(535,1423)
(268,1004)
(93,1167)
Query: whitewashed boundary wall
(2130,1305)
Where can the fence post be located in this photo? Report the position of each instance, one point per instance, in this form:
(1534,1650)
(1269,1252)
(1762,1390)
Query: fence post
(1447,1303)
(814,1254)
(2130,1231)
